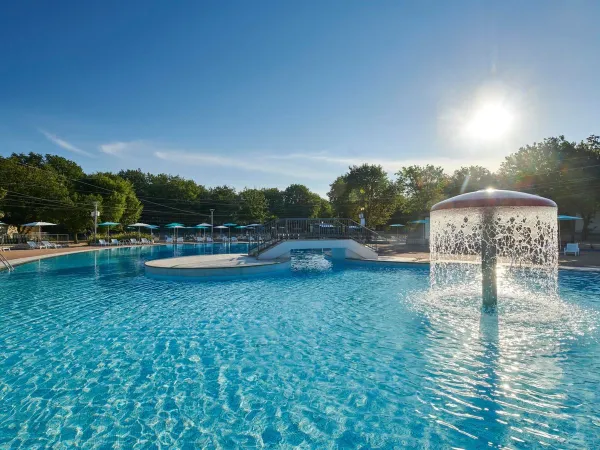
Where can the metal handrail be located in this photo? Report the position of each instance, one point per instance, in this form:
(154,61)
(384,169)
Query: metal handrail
(6,263)
(279,230)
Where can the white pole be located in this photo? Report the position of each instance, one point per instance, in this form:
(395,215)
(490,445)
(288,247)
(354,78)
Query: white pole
(95,219)
(212,222)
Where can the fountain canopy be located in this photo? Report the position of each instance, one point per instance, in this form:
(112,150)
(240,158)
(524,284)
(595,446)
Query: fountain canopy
(493,198)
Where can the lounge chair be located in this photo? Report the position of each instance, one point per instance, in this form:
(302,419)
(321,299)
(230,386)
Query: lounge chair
(4,249)
(209,239)
(199,239)
(234,239)
(169,240)
(102,242)
(49,244)
(114,242)
(571,248)
(35,245)
(145,241)
(180,240)
(133,241)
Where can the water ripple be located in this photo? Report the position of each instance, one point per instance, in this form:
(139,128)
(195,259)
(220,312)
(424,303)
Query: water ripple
(93,354)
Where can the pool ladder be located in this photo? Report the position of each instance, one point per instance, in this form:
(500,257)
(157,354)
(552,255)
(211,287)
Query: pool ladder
(6,263)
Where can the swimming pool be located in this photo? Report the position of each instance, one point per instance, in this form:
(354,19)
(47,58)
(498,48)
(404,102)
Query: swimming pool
(95,354)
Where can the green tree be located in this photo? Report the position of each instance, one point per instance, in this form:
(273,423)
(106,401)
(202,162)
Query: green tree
(300,202)
(224,200)
(469,179)
(253,206)
(567,172)
(275,201)
(366,189)
(119,202)
(31,194)
(422,187)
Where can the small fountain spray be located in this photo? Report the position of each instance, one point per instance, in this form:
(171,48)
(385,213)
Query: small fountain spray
(471,234)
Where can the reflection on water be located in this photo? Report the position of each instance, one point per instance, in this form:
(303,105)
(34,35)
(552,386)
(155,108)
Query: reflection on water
(515,377)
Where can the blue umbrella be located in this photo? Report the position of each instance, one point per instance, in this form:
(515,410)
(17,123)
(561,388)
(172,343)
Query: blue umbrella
(423,222)
(108,225)
(565,218)
(569,218)
(152,227)
(202,227)
(229,224)
(175,226)
(397,226)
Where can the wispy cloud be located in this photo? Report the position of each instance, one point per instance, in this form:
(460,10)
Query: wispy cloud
(298,166)
(390,165)
(114,148)
(64,144)
(244,163)
(123,148)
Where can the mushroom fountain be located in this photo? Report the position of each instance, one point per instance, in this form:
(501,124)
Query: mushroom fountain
(473,234)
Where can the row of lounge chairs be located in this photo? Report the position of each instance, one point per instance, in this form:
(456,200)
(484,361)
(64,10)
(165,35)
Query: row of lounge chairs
(180,240)
(43,244)
(132,241)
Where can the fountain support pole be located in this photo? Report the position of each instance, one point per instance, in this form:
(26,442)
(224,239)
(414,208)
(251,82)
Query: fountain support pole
(489,288)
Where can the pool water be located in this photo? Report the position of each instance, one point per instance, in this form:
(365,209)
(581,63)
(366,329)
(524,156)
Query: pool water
(95,354)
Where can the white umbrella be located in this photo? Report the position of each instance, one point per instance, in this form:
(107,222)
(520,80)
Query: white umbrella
(139,225)
(222,227)
(204,224)
(39,225)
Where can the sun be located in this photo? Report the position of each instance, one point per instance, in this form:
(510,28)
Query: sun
(490,121)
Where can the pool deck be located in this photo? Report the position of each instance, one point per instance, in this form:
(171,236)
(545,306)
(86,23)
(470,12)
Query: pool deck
(588,260)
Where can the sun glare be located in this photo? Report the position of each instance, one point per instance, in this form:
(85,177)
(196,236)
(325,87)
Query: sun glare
(490,121)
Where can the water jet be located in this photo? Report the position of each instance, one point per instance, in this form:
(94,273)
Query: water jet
(490,227)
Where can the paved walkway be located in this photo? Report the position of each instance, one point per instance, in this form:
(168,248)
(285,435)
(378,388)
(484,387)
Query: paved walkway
(17,257)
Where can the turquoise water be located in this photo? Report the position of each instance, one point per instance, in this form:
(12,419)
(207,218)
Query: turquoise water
(94,354)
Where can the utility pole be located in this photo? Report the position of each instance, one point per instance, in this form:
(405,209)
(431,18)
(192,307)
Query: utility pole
(212,223)
(95,213)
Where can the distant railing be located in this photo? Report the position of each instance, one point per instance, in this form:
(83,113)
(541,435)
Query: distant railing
(279,230)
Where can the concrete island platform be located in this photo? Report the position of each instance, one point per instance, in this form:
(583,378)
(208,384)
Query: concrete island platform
(224,265)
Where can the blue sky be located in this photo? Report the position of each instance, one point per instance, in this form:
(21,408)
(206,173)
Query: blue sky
(268,93)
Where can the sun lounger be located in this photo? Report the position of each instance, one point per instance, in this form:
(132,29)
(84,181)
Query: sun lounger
(169,240)
(4,249)
(49,244)
(145,241)
(571,248)
(35,245)
(180,240)
(199,239)
(134,241)
(234,239)
(102,242)
(209,239)
(114,242)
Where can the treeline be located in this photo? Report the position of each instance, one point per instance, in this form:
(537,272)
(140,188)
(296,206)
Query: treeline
(567,172)
(55,189)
